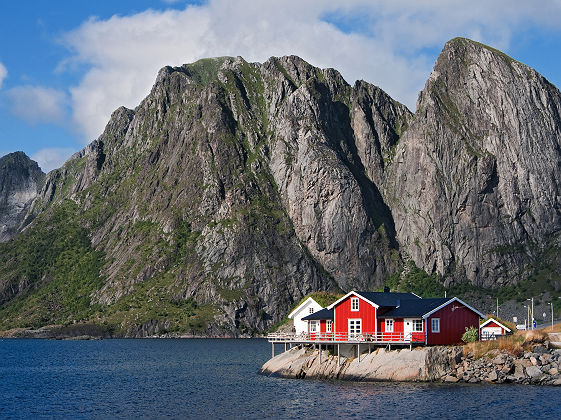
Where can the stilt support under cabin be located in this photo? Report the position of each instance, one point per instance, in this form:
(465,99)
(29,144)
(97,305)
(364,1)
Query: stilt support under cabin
(358,351)
(273,349)
(320,353)
(338,355)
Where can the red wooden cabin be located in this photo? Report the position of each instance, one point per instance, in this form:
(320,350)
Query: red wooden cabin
(394,318)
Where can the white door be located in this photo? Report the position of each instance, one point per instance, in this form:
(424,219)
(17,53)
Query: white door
(355,328)
(407,327)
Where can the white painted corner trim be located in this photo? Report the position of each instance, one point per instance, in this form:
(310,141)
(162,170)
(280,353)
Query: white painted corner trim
(454,299)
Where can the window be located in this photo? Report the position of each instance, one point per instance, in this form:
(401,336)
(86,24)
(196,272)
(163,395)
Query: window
(417,325)
(354,304)
(313,326)
(355,327)
(389,325)
(435,325)
(311,310)
(329,326)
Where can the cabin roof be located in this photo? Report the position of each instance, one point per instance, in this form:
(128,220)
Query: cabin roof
(388,298)
(310,300)
(417,307)
(378,299)
(319,315)
(424,308)
(496,322)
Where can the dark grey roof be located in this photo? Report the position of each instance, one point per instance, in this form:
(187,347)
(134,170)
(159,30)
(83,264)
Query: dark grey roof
(415,308)
(387,298)
(323,314)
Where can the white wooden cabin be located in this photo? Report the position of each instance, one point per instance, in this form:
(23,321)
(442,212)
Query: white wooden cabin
(492,329)
(309,306)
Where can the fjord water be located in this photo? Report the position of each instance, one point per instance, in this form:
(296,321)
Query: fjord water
(218,378)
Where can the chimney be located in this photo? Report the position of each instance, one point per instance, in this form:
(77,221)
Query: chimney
(386,289)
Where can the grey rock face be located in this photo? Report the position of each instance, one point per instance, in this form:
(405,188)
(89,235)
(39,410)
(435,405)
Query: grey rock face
(474,188)
(20,180)
(245,186)
(270,174)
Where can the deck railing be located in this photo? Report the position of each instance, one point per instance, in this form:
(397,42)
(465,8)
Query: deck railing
(379,337)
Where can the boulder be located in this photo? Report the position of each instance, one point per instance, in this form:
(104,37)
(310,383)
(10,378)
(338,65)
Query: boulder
(533,371)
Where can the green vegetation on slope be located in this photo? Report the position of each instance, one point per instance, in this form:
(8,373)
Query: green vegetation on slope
(59,268)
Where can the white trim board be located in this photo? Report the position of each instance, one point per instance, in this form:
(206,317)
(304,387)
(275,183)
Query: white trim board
(299,307)
(349,294)
(496,322)
(454,299)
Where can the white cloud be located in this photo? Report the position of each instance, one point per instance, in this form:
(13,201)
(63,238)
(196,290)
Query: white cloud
(37,104)
(125,53)
(52,158)
(3,73)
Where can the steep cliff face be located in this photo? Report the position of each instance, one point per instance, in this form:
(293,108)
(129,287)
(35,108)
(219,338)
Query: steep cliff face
(234,189)
(229,193)
(20,180)
(474,187)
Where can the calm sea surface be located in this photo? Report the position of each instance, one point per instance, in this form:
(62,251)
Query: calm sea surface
(210,378)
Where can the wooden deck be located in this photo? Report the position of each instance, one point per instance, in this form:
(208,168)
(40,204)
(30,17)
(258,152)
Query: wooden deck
(346,338)
(336,339)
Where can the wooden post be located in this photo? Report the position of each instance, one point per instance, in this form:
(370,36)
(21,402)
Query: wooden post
(320,353)
(273,349)
(369,348)
(358,351)
(285,346)
(338,355)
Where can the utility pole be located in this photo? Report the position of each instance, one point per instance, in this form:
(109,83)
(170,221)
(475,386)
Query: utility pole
(551,315)
(497,307)
(532,313)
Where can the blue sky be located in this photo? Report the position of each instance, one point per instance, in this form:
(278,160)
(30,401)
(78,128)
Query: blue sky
(66,65)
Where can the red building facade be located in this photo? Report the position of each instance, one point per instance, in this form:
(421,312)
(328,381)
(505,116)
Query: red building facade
(393,317)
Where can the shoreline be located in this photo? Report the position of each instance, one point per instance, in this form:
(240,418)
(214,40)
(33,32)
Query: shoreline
(96,332)
(540,365)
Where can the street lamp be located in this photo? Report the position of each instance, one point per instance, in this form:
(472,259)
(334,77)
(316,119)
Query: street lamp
(551,315)
(532,312)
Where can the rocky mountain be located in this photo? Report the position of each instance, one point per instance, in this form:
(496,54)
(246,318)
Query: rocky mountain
(20,181)
(236,188)
(475,185)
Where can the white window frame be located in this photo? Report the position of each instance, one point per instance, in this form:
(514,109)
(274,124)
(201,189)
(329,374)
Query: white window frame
(313,327)
(329,326)
(415,323)
(435,325)
(355,322)
(354,304)
(311,310)
(389,325)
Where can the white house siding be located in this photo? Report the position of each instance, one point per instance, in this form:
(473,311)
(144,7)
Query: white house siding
(302,311)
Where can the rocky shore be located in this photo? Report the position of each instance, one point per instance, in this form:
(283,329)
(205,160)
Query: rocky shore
(540,364)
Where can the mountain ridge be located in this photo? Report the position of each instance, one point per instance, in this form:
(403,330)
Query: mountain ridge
(234,189)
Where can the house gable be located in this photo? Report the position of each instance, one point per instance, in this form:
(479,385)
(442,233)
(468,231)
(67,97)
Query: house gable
(493,323)
(452,318)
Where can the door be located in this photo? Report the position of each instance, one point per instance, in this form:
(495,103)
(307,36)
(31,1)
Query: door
(355,328)
(407,328)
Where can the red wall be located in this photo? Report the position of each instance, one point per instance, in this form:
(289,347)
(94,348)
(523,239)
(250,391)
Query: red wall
(452,324)
(343,313)
(397,325)
(494,325)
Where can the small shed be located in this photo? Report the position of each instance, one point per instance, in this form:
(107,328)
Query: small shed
(308,307)
(491,329)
